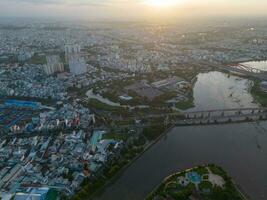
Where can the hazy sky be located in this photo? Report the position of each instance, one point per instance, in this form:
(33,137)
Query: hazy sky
(127,9)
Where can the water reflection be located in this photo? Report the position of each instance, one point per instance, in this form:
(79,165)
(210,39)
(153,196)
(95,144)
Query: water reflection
(216,90)
(241,149)
(261,65)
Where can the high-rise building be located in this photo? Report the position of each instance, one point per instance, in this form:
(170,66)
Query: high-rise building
(25,54)
(71,50)
(77,63)
(53,65)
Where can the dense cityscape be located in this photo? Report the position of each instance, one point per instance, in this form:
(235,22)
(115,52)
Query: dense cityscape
(81,101)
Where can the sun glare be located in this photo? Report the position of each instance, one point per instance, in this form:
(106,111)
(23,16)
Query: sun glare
(162,3)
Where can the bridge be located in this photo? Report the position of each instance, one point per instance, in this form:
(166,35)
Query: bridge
(208,113)
(238,68)
(248,68)
(188,118)
(219,116)
(224,112)
(220,120)
(245,70)
(216,116)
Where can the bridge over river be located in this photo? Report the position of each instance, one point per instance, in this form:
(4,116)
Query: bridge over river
(240,69)
(213,116)
(248,71)
(221,116)
(209,113)
(237,68)
(224,112)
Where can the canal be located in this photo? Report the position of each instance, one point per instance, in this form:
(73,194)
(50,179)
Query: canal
(241,149)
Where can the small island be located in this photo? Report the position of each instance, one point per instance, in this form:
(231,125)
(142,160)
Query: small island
(209,182)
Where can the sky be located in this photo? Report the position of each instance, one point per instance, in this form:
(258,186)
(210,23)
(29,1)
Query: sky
(131,9)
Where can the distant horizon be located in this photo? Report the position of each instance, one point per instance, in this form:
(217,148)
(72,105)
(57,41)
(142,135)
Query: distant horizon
(53,19)
(131,9)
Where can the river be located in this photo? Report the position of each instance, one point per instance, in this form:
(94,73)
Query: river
(216,90)
(241,149)
(261,65)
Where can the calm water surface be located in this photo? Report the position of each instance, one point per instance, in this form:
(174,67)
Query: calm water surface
(216,90)
(240,148)
(262,65)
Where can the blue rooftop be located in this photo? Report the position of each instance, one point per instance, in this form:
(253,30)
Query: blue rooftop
(18,103)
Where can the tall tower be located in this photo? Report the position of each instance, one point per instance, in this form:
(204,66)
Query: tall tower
(53,65)
(76,62)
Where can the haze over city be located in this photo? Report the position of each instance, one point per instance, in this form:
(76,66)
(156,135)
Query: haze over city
(133,99)
(131,9)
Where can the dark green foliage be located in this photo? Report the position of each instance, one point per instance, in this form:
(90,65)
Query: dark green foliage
(259,95)
(155,129)
(206,190)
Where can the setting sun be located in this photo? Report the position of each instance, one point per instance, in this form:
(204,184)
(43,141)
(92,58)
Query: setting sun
(162,3)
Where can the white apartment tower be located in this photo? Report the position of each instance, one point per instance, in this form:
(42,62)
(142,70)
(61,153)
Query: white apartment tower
(77,63)
(53,65)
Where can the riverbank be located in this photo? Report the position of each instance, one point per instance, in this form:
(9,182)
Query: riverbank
(184,105)
(185,147)
(258,95)
(117,175)
(103,183)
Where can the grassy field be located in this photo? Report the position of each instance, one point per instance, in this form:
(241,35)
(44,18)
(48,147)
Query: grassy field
(116,136)
(94,103)
(38,60)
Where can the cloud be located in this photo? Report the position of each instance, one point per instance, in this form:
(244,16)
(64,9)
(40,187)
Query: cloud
(58,2)
(76,2)
(129,8)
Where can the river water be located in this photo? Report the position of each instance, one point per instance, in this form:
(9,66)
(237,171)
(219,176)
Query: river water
(241,149)
(262,65)
(216,90)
